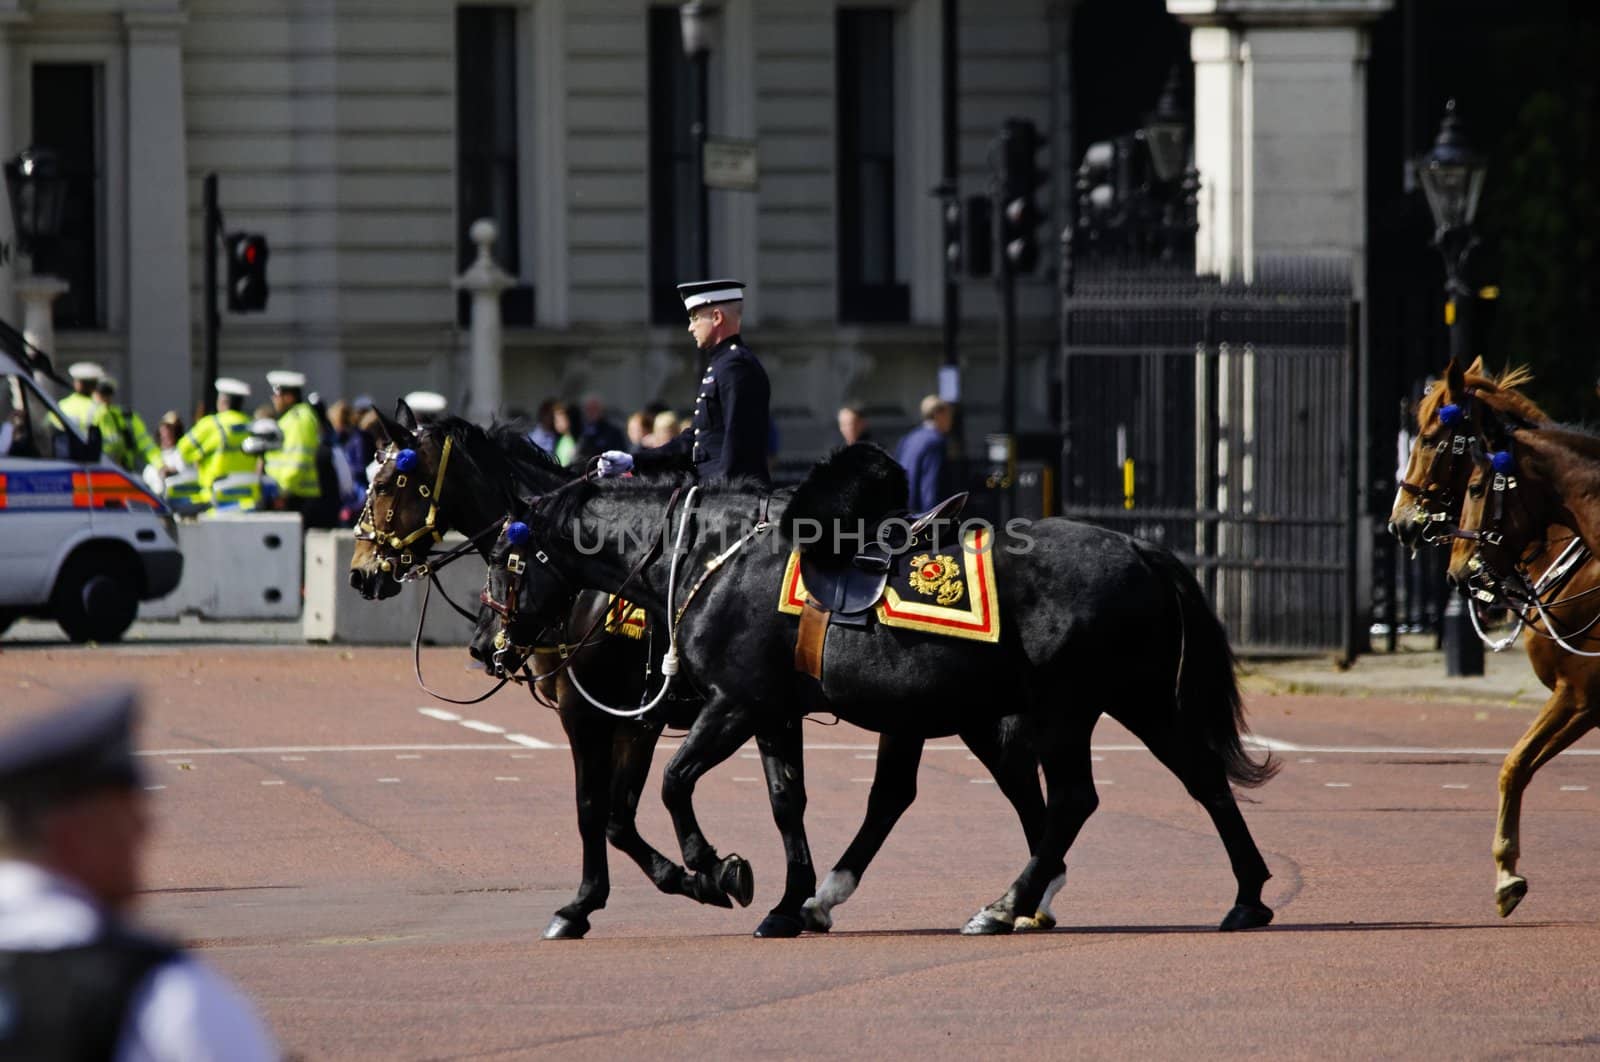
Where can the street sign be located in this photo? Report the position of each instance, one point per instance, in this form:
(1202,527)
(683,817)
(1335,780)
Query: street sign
(732,164)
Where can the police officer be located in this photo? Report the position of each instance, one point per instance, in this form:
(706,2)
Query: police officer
(729,434)
(76,981)
(294,467)
(123,436)
(80,406)
(215,445)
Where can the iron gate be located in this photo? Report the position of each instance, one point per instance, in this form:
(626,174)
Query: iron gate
(1218,420)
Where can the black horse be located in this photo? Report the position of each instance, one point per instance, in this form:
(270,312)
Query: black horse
(1118,622)
(611,756)
(458,475)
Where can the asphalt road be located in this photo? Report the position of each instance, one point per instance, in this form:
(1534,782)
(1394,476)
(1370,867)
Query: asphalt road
(377,877)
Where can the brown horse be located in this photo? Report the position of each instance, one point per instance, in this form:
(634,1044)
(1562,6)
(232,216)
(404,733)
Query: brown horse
(1427,510)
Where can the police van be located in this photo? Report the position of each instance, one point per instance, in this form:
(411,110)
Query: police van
(81,541)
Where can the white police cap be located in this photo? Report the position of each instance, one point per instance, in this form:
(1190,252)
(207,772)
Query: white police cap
(426,403)
(85,370)
(281,378)
(706,292)
(228,385)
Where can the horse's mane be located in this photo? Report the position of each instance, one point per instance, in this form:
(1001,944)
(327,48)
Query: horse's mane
(502,451)
(567,506)
(1500,391)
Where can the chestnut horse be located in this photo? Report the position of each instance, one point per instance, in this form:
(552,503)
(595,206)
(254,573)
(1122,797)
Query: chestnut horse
(1427,510)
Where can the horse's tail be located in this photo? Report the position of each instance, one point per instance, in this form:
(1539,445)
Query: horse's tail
(1207,687)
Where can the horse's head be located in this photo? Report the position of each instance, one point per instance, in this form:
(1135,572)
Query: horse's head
(1504,512)
(526,595)
(1428,503)
(402,518)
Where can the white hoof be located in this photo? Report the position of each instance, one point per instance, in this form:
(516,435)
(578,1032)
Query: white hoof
(817,917)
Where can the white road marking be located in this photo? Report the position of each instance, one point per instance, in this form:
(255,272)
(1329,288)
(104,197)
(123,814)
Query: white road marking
(1274,745)
(866,755)
(1455,785)
(292,759)
(981,781)
(408,756)
(529,742)
(745,778)
(1097,759)
(1337,785)
(502,778)
(863,779)
(441,714)
(1574,789)
(272,781)
(389,780)
(522,756)
(1306,759)
(749,756)
(179,763)
(482,727)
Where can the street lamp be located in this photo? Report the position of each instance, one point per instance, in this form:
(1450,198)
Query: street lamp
(1451,174)
(1138,193)
(697,20)
(38,194)
(37,190)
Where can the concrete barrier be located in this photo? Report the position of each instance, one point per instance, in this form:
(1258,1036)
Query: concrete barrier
(236,566)
(336,613)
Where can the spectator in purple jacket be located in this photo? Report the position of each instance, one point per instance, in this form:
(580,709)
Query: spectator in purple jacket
(922,454)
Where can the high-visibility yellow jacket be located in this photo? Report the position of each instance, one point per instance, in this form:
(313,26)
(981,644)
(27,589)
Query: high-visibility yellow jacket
(294,468)
(214,446)
(125,440)
(239,491)
(82,410)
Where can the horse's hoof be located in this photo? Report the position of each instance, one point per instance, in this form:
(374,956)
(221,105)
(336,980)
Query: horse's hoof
(702,889)
(780,926)
(563,928)
(816,919)
(1246,916)
(985,924)
(735,878)
(1509,894)
(1042,922)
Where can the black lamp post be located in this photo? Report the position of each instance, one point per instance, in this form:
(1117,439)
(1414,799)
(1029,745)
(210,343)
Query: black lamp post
(38,193)
(1138,193)
(1451,175)
(697,21)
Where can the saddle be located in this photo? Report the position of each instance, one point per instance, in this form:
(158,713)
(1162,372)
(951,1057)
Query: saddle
(846,590)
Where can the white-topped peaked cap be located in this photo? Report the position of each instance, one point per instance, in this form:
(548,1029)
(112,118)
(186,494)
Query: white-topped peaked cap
(85,370)
(706,292)
(281,378)
(426,403)
(228,385)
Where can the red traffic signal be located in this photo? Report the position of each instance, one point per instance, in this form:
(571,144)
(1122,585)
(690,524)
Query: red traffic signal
(247,272)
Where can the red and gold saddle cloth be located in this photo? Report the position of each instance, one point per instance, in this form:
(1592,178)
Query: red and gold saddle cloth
(625,618)
(936,590)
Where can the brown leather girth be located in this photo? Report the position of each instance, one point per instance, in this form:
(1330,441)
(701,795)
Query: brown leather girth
(808,646)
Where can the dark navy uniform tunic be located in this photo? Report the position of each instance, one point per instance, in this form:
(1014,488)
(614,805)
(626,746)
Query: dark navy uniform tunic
(728,437)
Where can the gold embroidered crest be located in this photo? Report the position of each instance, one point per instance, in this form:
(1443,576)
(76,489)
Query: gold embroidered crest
(937,577)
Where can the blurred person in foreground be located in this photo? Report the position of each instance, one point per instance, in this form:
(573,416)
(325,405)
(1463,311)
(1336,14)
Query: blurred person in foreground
(77,981)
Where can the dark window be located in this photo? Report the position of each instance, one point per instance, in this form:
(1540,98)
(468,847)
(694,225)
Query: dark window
(675,213)
(67,119)
(868,286)
(486,146)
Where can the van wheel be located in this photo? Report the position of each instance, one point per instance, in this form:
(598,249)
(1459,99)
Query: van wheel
(93,600)
(8,616)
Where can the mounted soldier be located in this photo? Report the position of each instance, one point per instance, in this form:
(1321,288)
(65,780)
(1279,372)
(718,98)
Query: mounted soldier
(732,412)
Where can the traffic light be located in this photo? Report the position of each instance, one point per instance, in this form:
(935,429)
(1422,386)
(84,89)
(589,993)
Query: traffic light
(1019,183)
(247,272)
(951,212)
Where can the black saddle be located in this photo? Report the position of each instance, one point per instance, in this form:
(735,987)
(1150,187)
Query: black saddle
(849,590)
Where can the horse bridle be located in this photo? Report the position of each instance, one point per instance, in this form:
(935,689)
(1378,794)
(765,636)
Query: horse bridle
(1434,499)
(394,549)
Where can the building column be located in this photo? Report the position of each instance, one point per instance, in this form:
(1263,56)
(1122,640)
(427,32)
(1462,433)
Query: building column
(9,14)
(158,366)
(1280,130)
